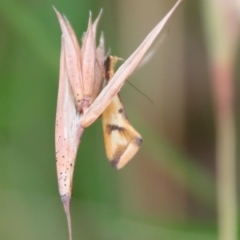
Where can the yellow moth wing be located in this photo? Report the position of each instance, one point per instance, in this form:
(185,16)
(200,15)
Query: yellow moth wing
(122,141)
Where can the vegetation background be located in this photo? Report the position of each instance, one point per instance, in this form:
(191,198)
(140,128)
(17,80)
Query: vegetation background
(168,191)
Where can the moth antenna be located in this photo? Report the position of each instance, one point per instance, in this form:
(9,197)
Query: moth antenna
(149,99)
(66,206)
(120,59)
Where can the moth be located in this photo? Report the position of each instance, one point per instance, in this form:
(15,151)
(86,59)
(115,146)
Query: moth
(122,141)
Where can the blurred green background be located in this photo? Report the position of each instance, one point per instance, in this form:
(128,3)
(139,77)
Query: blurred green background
(168,191)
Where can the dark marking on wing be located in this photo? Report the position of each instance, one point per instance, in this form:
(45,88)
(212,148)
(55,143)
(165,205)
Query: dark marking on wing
(117,156)
(112,127)
(120,110)
(114,162)
(138,141)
